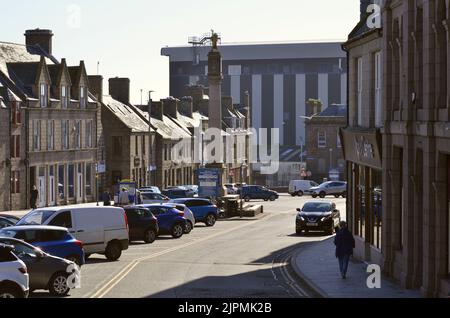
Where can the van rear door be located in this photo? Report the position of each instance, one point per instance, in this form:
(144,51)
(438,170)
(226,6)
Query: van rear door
(89,229)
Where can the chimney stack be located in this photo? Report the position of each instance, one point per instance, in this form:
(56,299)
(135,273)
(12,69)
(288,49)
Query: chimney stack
(43,38)
(157,110)
(119,89)
(96,86)
(170,107)
(186,106)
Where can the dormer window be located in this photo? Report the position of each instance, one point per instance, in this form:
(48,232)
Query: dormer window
(65,96)
(43,95)
(83,97)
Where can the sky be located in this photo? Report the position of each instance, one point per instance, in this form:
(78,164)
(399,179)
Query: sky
(126,37)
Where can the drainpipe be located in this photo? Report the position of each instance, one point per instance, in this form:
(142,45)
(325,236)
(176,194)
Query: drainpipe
(10,154)
(27,160)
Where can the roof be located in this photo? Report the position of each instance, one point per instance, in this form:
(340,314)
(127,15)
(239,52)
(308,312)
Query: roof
(24,75)
(125,114)
(35,227)
(334,110)
(260,51)
(15,53)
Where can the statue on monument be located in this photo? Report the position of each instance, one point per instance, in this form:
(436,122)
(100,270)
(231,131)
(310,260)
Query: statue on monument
(214,39)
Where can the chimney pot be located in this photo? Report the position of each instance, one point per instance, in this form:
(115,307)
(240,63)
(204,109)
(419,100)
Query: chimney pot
(119,89)
(43,38)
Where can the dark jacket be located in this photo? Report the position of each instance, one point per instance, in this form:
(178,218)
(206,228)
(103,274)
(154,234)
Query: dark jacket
(33,197)
(345,243)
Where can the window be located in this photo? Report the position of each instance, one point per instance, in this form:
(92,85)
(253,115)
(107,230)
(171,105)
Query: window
(61,181)
(36,135)
(71,181)
(65,134)
(83,97)
(321,139)
(43,95)
(15,113)
(117,145)
(234,70)
(64,219)
(359,89)
(89,134)
(136,146)
(15,182)
(143,145)
(15,146)
(322,167)
(50,135)
(78,134)
(88,183)
(378,73)
(65,96)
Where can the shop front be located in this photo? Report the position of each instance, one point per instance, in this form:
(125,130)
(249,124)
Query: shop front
(362,151)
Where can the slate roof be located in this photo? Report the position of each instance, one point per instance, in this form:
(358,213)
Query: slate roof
(23,75)
(334,111)
(125,114)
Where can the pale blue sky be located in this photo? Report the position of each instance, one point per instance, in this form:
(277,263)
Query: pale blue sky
(126,36)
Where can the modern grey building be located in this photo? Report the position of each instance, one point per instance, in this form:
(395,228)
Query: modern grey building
(280,77)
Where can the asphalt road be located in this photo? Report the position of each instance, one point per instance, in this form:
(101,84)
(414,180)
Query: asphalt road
(238,258)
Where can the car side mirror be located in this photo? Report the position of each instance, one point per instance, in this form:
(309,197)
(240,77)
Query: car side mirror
(39,255)
(299,210)
(336,211)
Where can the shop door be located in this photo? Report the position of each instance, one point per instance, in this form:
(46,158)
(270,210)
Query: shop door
(80,184)
(51,197)
(42,192)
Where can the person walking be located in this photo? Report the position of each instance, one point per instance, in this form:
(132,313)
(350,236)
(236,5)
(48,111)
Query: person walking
(345,243)
(124,198)
(106,198)
(34,197)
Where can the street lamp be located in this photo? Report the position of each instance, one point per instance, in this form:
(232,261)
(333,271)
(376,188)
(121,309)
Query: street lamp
(150,148)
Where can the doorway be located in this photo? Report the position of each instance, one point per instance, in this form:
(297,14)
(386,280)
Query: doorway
(42,192)
(80,183)
(51,180)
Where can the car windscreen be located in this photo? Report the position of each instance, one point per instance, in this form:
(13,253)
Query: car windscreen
(37,217)
(316,207)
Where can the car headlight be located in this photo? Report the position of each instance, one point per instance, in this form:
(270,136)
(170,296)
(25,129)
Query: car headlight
(299,217)
(325,218)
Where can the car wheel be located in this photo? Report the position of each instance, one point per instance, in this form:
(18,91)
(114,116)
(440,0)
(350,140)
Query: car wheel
(300,193)
(344,195)
(75,258)
(86,256)
(293,194)
(330,231)
(337,196)
(149,236)
(298,231)
(188,227)
(10,292)
(314,196)
(113,251)
(58,285)
(177,230)
(210,220)
(247,199)
(322,195)
(272,198)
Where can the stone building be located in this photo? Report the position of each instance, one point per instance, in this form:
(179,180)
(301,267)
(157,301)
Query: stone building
(56,148)
(324,155)
(412,241)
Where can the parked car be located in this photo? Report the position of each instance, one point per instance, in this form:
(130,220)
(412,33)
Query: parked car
(258,192)
(103,230)
(14,278)
(4,222)
(188,215)
(231,188)
(142,223)
(56,241)
(204,210)
(318,216)
(177,193)
(150,189)
(151,197)
(301,187)
(11,218)
(192,187)
(170,220)
(45,271)
(335,188)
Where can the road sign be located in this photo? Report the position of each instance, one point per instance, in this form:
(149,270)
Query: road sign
(100,168)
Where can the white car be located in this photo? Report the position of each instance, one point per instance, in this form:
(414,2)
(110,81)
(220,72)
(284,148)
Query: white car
(14,279)
(188,215)
(301,187)
(152,197)
(231,188)
(103,230)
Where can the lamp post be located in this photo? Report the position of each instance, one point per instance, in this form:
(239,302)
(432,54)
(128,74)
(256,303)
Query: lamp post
(150,148)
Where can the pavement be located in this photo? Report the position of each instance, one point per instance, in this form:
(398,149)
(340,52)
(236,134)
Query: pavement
(318,267)
(20,213)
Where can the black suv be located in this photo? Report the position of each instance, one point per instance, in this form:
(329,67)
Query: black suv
(258,192)
(318,216)
(142,223)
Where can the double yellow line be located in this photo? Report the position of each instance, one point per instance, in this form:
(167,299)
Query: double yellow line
(116,279)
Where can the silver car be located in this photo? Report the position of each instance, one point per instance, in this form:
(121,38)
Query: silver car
(335,188)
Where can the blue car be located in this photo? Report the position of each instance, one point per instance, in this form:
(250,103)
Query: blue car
(56,241)
(204,210)
(171,221)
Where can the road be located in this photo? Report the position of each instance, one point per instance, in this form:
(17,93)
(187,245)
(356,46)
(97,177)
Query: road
(239,258)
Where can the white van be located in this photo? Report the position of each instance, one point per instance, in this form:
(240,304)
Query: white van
(102,230)
(301,187)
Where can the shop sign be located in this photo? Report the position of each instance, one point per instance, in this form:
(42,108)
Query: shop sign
(362,147)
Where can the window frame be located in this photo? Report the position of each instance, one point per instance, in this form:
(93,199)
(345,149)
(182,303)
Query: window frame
(323,140)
